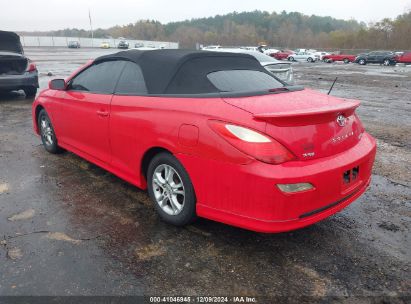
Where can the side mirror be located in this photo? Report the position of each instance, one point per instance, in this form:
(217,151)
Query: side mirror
(57,84)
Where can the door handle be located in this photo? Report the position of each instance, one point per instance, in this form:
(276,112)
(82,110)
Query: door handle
(102,113)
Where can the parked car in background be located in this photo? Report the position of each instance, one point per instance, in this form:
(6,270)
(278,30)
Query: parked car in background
(281,55)
(305,51)
(123,44)
(73,45)
(302,56)
(269,52)
(213,135)
(211,47)
(251,48)
(17,72)
(320,55)
(382,57)
(281,70)
(105,45)
(404,58)
(339,57)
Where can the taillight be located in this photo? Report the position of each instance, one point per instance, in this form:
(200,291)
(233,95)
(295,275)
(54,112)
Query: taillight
(31,67)
(253,143)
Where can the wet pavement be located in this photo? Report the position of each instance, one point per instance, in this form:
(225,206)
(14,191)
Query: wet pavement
(68,227)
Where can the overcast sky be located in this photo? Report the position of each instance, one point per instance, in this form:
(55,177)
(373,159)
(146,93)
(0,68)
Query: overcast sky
(30,15)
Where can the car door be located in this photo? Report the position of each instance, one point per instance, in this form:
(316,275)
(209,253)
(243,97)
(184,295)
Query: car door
(372,57)
(129,121)
(299,55)
(379,57)
(84,109)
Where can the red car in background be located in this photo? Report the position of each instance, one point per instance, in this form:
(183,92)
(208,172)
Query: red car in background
(213,135)
(404,58)
(339,57)
(282,55)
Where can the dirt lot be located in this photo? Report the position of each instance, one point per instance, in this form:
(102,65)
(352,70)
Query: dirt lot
(68,227)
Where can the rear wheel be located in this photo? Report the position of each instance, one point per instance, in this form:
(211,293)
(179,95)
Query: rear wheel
(362,61)
(30,92)
(291,58)
(346,60)
(387,62)
(309,59)
(48,137)
(171,190)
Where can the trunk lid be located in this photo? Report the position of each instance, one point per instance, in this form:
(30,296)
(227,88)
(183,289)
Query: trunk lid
(10,42)
(306,121)
(12,63)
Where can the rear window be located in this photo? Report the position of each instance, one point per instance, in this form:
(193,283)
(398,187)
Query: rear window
(243,81)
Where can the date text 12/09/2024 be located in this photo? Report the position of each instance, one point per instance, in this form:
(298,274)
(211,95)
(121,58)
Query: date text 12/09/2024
(203,299)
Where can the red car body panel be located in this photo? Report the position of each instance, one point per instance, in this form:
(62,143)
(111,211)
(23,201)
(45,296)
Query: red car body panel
(116,132)
(281,55)
(340,57)
(404,58)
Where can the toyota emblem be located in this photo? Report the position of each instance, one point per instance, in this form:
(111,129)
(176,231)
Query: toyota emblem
(341,120)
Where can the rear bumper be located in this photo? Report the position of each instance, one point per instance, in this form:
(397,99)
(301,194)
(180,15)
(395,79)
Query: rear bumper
(247,196)
(16,82)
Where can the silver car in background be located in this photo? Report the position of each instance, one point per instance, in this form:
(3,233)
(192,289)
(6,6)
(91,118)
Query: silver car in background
(302,56)
(281,70)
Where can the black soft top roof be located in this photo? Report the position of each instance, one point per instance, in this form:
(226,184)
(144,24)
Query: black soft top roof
(183,71)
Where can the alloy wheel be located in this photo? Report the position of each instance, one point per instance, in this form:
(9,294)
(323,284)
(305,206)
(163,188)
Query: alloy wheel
(46,130)
(168,189)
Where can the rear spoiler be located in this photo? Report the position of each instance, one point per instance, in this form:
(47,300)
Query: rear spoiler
(310,115)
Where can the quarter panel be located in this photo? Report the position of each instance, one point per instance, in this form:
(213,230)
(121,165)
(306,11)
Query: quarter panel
(138,123)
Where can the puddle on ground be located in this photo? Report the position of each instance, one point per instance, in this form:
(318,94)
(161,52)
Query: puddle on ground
(25,215)
(60,236)
(4,188)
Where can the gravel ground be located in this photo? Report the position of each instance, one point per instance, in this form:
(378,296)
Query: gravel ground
(68,227)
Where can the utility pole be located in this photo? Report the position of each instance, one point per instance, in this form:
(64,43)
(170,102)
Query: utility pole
(91,27)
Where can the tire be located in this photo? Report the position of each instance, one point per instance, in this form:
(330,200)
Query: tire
(46,130)
(387,62)
(346,60)
(178,209)
(309,59)
(291,58)
(362,62)
(30,92)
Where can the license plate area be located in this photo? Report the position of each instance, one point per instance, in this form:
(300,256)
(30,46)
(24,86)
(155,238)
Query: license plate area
(350,177)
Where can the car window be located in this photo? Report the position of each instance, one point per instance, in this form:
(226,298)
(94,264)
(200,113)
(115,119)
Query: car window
(131,81)
(243,81)
(98,78)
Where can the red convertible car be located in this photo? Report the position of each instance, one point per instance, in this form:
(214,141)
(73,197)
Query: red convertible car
(340,57)
(213,135)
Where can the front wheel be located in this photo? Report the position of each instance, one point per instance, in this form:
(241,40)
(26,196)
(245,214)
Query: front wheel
(362,62)
(290,58)
(309,59)
(387,62)
(48,137)
(171,190)
(346,60)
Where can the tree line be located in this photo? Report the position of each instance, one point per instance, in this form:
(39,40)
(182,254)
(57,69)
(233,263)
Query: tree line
(288,30)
